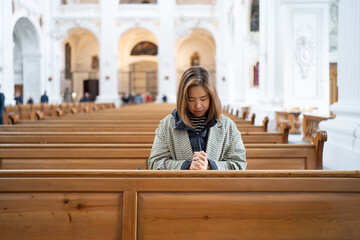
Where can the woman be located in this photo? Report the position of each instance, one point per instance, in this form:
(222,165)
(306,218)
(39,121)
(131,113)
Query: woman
(196,136)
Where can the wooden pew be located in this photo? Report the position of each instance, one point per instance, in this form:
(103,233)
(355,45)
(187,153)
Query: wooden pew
(110,156)
(111,121)
(311,125)
(13,116)
(74,156)
(110,127)
(124,137)
(293,117)
(101,128)
(176,205)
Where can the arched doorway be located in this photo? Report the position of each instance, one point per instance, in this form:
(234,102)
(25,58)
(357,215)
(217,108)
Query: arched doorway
(80,66)
(198,49)
(26,60)
(138,63)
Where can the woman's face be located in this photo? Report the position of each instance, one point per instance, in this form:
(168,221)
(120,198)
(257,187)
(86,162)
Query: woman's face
(198,101)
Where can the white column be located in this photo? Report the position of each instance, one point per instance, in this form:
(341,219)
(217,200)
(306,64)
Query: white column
(52,54)
(6,52)
(166,55)
(230,63)
(342,150)
(264,76)
(305,55)
(108,82)
(223,54)
(268,101)
(267,33)
(239,32)
(32,76)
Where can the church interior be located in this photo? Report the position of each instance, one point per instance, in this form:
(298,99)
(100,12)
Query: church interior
(84,85)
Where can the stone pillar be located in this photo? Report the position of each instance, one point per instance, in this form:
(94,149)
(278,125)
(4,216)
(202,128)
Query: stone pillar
(267,34)
(108,82)
(342,150)
(6,52)
(166,56)
(239,83)
(223,53)
(227,82)
(53,57)
(32,76)
(305,53)
(269,94)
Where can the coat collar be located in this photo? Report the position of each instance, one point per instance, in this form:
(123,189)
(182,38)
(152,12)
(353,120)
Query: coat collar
(180,125)
(215,135)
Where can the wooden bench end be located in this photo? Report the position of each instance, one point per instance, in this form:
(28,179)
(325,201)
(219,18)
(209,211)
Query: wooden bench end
(265,123)
(285,129)
(318,140)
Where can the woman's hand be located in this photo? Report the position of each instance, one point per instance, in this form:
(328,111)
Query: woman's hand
(199,161)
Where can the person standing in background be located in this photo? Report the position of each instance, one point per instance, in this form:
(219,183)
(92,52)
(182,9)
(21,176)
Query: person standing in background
(2,107)
(44,98)
(86,98)
(30,101)
(18,98)
(148,97)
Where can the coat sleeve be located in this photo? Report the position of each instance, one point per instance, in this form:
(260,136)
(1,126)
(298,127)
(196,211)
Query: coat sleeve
(235,155)
(160,157)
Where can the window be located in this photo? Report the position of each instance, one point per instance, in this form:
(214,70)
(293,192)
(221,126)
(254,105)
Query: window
(67,61)
(254,16)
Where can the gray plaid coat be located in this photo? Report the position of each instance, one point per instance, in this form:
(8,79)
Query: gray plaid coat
(172,146)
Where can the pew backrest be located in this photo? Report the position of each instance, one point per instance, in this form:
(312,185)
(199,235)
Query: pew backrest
(119,156)
(180,205)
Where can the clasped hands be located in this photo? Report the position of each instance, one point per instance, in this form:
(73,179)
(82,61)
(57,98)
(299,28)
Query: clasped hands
(199,161)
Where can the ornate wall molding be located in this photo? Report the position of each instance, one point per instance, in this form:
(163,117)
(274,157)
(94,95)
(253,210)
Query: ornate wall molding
(306,43)
(333,27)
(305,49)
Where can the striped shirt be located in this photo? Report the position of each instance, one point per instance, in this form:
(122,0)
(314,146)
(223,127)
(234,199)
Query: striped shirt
(199,122)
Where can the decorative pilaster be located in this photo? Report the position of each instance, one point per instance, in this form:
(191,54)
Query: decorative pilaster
(224,52)
(239,84)
(52,58)
(31,75)
(342,150)
(6,52)
(268,50)
(166,57)
(108,82)
(305,54)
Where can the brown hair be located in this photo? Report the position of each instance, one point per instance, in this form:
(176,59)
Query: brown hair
(197,76)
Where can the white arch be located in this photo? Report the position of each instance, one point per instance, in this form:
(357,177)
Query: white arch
(123,29)
(64,30)
(27,36)
(201,25)
(181,41)
(35,25)
(27,33)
